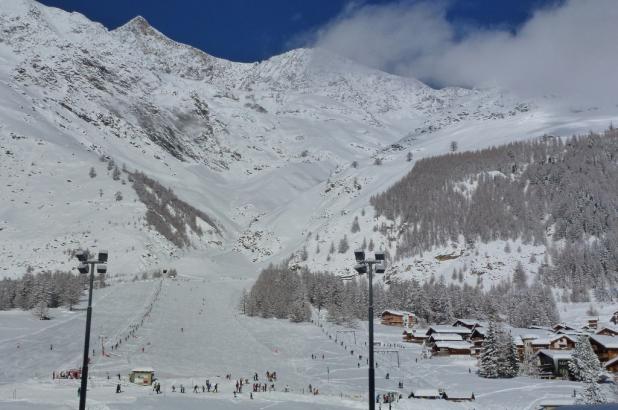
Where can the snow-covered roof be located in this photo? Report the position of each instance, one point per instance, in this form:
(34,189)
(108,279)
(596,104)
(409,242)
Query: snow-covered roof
(608,327)
(449,329)
(609,342)
(556,354)
(452,344)
(568,336)
(426,393)
(446,336)
(397,312)
(610,362)
(541,341)
(143,370)
(470,322)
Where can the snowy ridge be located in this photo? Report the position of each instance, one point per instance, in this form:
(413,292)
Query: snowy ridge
(265,149)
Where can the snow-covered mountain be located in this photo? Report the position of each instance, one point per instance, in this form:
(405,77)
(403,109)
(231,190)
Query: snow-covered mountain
(266,152)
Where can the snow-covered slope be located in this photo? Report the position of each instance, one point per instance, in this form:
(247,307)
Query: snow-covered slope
(264,149)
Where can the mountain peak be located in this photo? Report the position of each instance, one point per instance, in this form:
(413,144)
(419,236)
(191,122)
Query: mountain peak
(139,25)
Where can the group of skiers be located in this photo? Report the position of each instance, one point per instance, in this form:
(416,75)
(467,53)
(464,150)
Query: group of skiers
(207,387)
(133,328)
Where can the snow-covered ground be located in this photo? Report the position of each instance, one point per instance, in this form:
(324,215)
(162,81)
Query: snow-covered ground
(195,332)
(266,151)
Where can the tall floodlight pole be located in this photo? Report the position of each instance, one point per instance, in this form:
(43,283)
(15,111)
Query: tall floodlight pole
(86,266)
(363,266)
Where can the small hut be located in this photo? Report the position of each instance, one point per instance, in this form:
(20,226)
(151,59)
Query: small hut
(142,375)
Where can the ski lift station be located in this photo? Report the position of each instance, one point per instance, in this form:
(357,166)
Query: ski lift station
(142,375)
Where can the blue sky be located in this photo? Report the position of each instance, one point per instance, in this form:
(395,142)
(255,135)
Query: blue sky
(251,30)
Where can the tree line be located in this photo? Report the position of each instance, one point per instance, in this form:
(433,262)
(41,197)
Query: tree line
(288,294)
(41,291)
(544,191)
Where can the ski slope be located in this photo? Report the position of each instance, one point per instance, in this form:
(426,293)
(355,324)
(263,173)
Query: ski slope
(194,332)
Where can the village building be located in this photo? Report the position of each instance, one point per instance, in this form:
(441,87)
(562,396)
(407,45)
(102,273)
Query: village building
(431,394)
(142,375)
(607,331)
(450,348)
(605,347)
(614,318)
(562,327)
(562,342)
(463,331)
(469,323)
(554,363)
(418,335)
(398,318)
(612,366)
(477,337)
(444,337)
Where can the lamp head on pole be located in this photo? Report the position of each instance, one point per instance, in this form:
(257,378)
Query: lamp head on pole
(359,254)
(361,268)
(81,255)
(82,268)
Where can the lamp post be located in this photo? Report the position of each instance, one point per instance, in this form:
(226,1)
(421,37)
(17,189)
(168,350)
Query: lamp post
(364,265)
(88,265)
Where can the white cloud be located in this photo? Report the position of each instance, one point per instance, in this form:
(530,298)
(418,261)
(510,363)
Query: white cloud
(569,50)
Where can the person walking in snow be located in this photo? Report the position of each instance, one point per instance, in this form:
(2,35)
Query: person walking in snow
(118,390)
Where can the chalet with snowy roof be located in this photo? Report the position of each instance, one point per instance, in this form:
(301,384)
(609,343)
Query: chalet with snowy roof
(607,331)
(451,348)
(562,327)
(562,342)
(463,331)
(612,366)
(469,323)
(418,335)
(431,394)
(477,337)
(592,323)
(605,347)
(458,396)
(398,318)
(554,363)
(444,337)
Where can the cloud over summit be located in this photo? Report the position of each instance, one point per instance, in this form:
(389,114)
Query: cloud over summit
(569,50)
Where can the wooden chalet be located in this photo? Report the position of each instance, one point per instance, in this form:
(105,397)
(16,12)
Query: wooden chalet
(458,396)
(562,342)
(468,323)
(417,335)
(612,366)
(607,331)
(554,363)
(463,331)
(450,348)
(477,337)
(562,327)
(605,347)
(592,323)
(431,394)
(444,337)
(398,318)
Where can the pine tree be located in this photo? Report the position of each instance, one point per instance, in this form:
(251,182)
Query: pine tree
(409,156)
(488,363)
(355,225)
(116,174)
(343,245)
(371,245)
(92,173)
(332,248)
(508,365)
(519,276)
(584,364)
